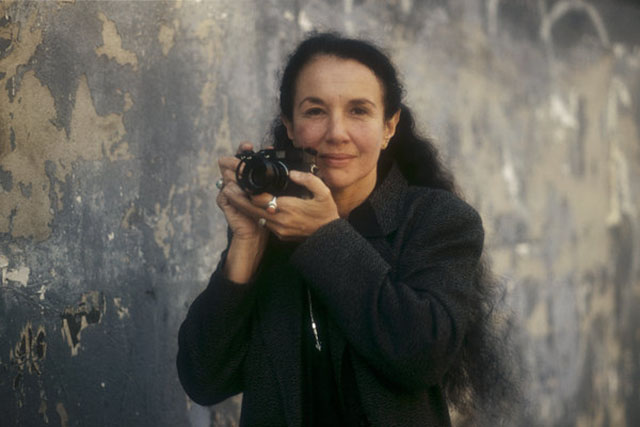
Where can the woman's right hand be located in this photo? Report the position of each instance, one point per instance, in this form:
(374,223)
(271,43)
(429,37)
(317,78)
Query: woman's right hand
(243,227)
(249,239)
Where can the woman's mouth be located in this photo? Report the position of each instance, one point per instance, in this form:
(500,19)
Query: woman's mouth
(336,159)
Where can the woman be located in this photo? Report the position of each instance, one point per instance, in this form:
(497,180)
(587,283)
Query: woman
(365,304)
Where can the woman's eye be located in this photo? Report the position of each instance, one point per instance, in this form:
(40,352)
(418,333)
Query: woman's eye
(313,112)
(359,111)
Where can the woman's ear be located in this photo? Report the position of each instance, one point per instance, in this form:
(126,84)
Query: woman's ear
(287,124)
(390,128)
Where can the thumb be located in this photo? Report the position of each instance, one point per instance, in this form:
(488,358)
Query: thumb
(311,182)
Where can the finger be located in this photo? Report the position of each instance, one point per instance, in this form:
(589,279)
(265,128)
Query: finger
(311,182)
(228,162)
(239,200)
(229,176)
(244,146)
(262,199)
(221,200)
(283,232)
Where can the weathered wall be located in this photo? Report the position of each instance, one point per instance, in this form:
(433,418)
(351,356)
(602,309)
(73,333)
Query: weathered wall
(112,115)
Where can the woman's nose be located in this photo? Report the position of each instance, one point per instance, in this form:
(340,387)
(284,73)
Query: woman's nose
(337,131)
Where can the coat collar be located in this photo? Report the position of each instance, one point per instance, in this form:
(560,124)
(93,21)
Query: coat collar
(379,214)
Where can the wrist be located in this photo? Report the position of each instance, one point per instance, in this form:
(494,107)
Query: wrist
(243,259)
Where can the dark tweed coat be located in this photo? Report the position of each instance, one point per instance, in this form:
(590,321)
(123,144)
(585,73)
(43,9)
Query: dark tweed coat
(397,296)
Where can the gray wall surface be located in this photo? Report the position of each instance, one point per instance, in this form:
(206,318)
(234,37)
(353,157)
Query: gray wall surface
(112,116)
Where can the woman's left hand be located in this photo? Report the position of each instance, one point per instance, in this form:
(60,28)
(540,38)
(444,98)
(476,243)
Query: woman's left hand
(295,219)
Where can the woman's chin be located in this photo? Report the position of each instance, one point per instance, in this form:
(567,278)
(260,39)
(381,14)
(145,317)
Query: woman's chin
(332,181)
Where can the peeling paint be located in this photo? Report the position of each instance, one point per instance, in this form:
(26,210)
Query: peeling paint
(88,311)
(304,22)
(19,275)
(166,37)
(120,309)
(538,322)
(112,44)
(208,94)
(39,143)
(41,292)
(24,42)
(545,145)
(163,229)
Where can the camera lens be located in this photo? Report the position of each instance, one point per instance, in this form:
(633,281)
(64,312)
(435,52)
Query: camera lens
(260,174)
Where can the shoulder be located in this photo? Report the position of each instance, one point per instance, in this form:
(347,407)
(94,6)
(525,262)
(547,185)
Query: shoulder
(438,206)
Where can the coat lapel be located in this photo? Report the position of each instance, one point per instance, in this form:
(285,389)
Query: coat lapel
(280,310)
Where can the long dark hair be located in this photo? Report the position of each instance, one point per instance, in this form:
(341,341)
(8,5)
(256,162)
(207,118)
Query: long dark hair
(481,381)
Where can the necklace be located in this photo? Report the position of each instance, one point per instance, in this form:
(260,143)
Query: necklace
(313,323)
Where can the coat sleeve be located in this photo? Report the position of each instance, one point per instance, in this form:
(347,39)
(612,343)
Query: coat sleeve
(213,340)
(408,320)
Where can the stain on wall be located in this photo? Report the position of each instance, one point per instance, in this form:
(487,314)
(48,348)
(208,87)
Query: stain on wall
(113,115)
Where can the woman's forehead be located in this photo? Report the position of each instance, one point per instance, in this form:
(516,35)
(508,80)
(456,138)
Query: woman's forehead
(327,75)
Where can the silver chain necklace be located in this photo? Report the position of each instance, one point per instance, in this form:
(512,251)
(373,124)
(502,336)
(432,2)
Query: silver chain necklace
(313,323)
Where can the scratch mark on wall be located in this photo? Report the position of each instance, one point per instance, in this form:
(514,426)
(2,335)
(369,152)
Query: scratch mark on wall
(621,200)
(561,8)
(112,44)
(42,291)
(27,357)
(565,113)
(131,217)
(43,407)
(62,413)
(509,175)
(89,310)
(120,309)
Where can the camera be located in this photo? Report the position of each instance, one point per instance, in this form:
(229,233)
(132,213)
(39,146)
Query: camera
(267,171)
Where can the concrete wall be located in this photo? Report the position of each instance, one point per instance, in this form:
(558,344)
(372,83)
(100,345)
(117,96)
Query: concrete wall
(112,115)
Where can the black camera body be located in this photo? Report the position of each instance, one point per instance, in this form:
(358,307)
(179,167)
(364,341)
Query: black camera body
(267,171)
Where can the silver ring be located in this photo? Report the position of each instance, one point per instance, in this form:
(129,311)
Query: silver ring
(262,222)
(220,183)
(273,204)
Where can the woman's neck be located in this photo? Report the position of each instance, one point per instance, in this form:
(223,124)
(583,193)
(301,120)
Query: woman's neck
(349,198)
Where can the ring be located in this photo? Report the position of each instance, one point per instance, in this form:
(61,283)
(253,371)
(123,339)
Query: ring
(262,222)
(220,183)
(273,204)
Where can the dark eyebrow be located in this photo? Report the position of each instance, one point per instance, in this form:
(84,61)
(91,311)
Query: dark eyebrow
(357,101)
(311,99)
(360,101)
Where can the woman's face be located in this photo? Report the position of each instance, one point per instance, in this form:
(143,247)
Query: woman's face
(338,110)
